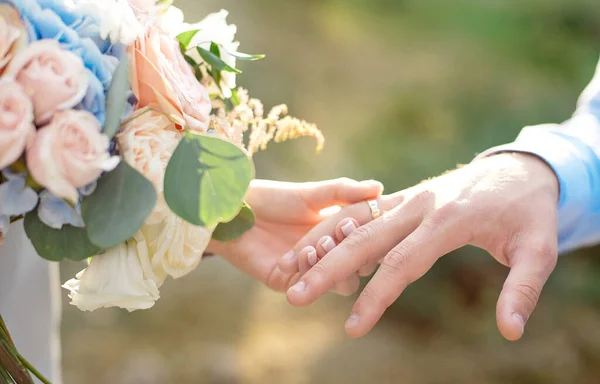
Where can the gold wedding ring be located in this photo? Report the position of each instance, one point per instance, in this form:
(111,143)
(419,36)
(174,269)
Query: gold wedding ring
(374,206)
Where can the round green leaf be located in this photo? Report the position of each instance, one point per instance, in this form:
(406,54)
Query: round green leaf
(58,244)
(207,179)
(242,223)
(118,207)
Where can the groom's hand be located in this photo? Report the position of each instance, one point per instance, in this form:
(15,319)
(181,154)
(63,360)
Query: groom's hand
(505,204)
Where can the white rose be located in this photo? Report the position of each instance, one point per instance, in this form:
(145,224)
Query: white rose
(118,20)
(121,277)
(213,28)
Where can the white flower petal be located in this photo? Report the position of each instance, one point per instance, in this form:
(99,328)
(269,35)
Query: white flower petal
(113,279)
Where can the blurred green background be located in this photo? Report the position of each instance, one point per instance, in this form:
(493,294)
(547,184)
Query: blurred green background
(403,90)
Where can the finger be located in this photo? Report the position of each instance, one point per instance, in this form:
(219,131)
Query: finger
(280,281)
(325,245)
(346,287)
(405,263)
(359,212)
(289,262)
(344,228)
(343,191)
(368,269)
(362,215)
(365,245)
(529,272)
(307,257)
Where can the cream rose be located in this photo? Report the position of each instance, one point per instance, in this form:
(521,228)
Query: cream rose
(69,153)
(176,246)
(13,35)
(54,79)
(167,80)
(16,121)
(121,277)
(147,144)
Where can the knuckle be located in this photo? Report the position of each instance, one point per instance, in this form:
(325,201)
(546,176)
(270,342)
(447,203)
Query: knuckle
(529,291)
(423,196)
(543,250)
(448,210)
(397,260)
(360,237)
(369,295)
(318,270)
(343,181)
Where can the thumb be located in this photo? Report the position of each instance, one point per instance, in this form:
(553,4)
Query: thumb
(522,289)
(342,191)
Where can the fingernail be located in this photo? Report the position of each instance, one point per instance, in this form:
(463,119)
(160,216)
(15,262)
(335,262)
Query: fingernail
(520,320)
(299,287)
(328,244)
(348,228)
(353,321)
(289,256)
(312,257)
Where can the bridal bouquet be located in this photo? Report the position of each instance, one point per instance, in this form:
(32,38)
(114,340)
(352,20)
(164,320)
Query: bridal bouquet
(125,142)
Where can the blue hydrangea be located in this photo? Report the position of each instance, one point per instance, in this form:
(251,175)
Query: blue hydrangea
(54,212)
(16,198)
(78,33)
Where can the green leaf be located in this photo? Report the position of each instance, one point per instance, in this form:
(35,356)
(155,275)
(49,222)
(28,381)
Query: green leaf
(185,39)
(246,57)
(118,207)
(215,61)
(235,100)
(58,244)
(116,98)
(214,48)
(243,222)
(206,180)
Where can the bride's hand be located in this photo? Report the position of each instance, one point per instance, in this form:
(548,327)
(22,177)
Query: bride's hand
(285,212)
(505,204)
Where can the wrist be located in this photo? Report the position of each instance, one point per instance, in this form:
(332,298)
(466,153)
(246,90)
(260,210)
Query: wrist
(531,167)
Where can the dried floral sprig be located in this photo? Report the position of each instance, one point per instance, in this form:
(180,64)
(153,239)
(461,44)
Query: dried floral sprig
(248,115)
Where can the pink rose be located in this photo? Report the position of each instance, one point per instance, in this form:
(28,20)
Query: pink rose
(16,121)
(69,153)
(54,78)
(162,77)
(13,36)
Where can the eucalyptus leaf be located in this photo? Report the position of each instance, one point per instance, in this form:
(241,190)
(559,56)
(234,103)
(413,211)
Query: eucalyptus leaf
(242,223)
(207,179)
(116,98)
(69,242)
(215,61)
(123,199)
(185,39)
(245,56)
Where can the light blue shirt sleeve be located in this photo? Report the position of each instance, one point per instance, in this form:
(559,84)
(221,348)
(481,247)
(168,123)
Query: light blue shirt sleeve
(572,149)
